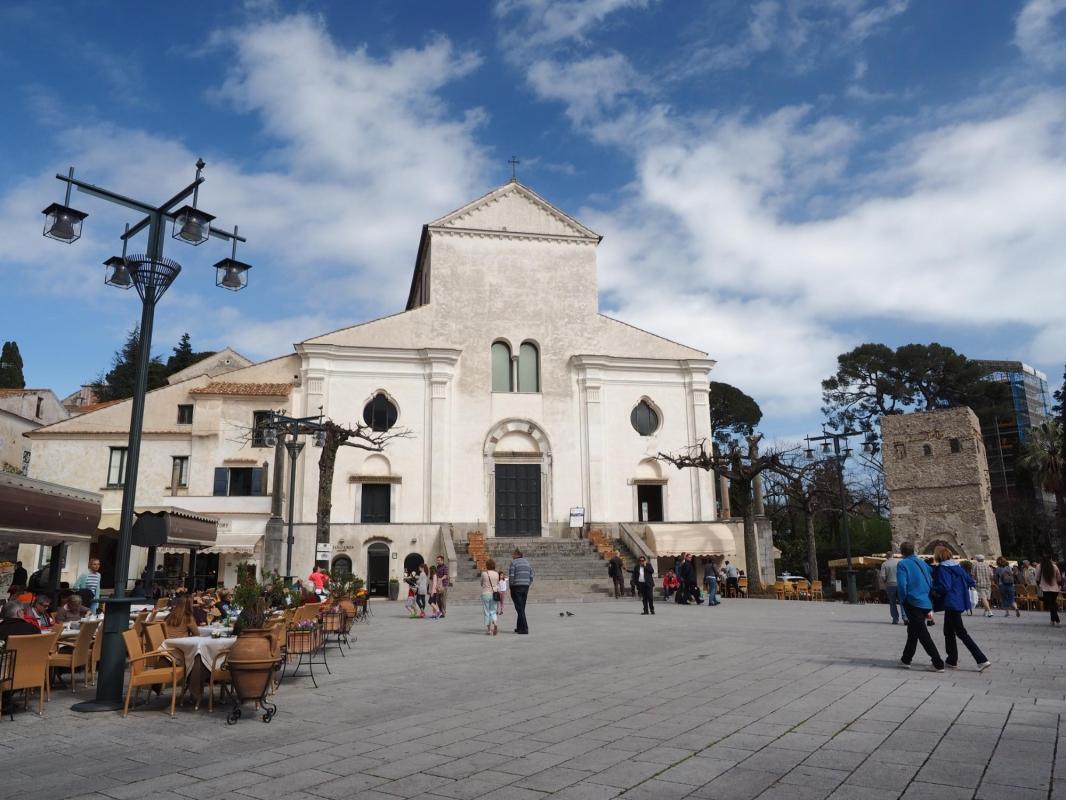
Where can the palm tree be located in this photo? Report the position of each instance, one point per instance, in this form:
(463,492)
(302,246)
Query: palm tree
(1045,458)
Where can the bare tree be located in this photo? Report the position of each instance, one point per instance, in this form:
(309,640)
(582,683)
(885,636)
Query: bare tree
(362,437)
(740,465)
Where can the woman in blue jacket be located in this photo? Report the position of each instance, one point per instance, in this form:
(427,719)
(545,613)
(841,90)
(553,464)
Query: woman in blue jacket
(952,584)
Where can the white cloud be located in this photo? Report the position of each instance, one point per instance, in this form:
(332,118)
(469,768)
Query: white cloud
(1039,32)
(590,88)
(364,151)
(536,23)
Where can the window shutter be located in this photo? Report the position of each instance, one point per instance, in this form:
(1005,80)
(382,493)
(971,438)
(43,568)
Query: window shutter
(257,481)
(221,481)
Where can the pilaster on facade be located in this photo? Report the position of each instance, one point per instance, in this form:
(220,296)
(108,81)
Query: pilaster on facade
(439,366)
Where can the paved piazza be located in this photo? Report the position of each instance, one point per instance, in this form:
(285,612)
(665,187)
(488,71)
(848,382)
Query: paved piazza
(754,699)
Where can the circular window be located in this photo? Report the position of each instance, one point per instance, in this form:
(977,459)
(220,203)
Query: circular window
(645,419)
(380,413)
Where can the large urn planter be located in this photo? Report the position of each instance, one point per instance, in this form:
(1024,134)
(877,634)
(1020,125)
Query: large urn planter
(251,665)
(394,589)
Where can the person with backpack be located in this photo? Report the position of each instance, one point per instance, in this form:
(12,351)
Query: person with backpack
(952,584)
(915,581)
(1005,579)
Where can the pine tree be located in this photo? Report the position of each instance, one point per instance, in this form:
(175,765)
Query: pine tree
(121,381)
(184,356)
(11,376)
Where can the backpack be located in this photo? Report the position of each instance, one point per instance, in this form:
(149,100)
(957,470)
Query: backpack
(1006,577)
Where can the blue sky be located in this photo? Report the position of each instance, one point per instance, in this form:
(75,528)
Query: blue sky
(777,181)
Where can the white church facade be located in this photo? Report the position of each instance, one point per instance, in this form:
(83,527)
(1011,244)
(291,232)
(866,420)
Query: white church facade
(520,401)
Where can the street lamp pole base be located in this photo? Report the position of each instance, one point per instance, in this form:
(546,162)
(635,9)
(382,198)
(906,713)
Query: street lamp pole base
(112,671)
(90,706)
(853,592)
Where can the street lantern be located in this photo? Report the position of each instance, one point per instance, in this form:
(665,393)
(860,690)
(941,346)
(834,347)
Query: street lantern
(61,222)
(229,272)
(192,226)
(118,273)
(826,447)
(319,439)
(809,453)
(270,436)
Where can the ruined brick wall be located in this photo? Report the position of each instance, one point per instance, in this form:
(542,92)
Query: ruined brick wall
(938,484)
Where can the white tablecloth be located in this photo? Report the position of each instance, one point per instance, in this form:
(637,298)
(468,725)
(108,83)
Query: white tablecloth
(203,646)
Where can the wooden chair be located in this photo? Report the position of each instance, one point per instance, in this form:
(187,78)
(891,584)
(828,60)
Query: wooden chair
(143,675)
(816,590)
(7,676)
(779,590)
(219,676)
(742,587)
(154,635)
(94,657)
(803,590)
(77,655)
(31,665)
(138,622)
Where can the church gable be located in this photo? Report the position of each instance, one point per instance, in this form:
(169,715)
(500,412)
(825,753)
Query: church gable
(514,209)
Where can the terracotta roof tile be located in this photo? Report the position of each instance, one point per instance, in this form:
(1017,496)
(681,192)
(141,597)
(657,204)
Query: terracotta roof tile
(13,392)
(92,406)
(245,389)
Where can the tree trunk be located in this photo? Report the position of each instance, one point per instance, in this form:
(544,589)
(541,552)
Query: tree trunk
(812,546)
(1060,509)
(326,463)
(751,551)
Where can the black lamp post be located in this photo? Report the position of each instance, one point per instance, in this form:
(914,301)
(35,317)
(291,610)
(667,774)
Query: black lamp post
(151,274)
(840,456)
(292,428)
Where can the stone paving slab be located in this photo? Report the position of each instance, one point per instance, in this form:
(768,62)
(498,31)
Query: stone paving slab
(752,700)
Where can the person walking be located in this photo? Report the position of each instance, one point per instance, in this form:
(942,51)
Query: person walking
(434,594)
(502,592)
(1050,583)
(616,572)
(888,578)
(952,585)
(1005,577)
(421,590)
(644,578)
(982,578)
(444,583)
(915,581)
(20,577)
(90,582)
(520,579)
(490,596)
(710,580)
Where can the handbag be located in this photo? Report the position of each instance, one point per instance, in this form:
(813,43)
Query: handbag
(495,592)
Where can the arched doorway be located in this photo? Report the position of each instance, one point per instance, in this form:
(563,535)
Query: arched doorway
(518,478)
(342,565)
(412,562)
(377,569)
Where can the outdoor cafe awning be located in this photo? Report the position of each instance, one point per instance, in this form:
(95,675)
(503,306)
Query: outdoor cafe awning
(166,527)
(858,562)
(37,512)
(699,538)
(239,544)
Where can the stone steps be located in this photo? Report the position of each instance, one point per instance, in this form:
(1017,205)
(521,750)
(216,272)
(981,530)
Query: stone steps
(563,568)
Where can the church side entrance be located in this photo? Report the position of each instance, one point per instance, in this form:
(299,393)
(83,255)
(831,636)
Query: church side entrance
(517,499)
(650,503)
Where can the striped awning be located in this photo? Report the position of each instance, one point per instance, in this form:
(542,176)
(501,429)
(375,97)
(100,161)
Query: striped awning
(241,544)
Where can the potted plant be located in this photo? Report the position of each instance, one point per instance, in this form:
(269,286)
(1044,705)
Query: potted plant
(394,588)
(252,659)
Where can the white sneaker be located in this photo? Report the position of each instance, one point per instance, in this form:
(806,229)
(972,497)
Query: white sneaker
(988,613)
(983,666)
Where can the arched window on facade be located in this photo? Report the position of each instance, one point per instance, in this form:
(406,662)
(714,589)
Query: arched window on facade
(528,368)
(501,368)
(380,413)
(644,418)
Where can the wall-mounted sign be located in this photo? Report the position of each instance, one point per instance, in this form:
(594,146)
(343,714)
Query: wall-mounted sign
(577,517)
(323,550)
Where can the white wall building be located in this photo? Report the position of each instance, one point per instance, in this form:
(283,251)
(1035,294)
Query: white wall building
(521,399)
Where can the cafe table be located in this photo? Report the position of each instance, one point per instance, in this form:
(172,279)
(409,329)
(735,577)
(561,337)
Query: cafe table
(198,654)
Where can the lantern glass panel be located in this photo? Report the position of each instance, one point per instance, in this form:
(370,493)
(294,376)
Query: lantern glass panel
(231,274)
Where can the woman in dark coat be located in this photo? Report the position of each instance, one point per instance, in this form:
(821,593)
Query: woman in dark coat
(951,585)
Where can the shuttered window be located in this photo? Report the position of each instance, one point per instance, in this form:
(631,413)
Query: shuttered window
(501,368)
(239,481)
